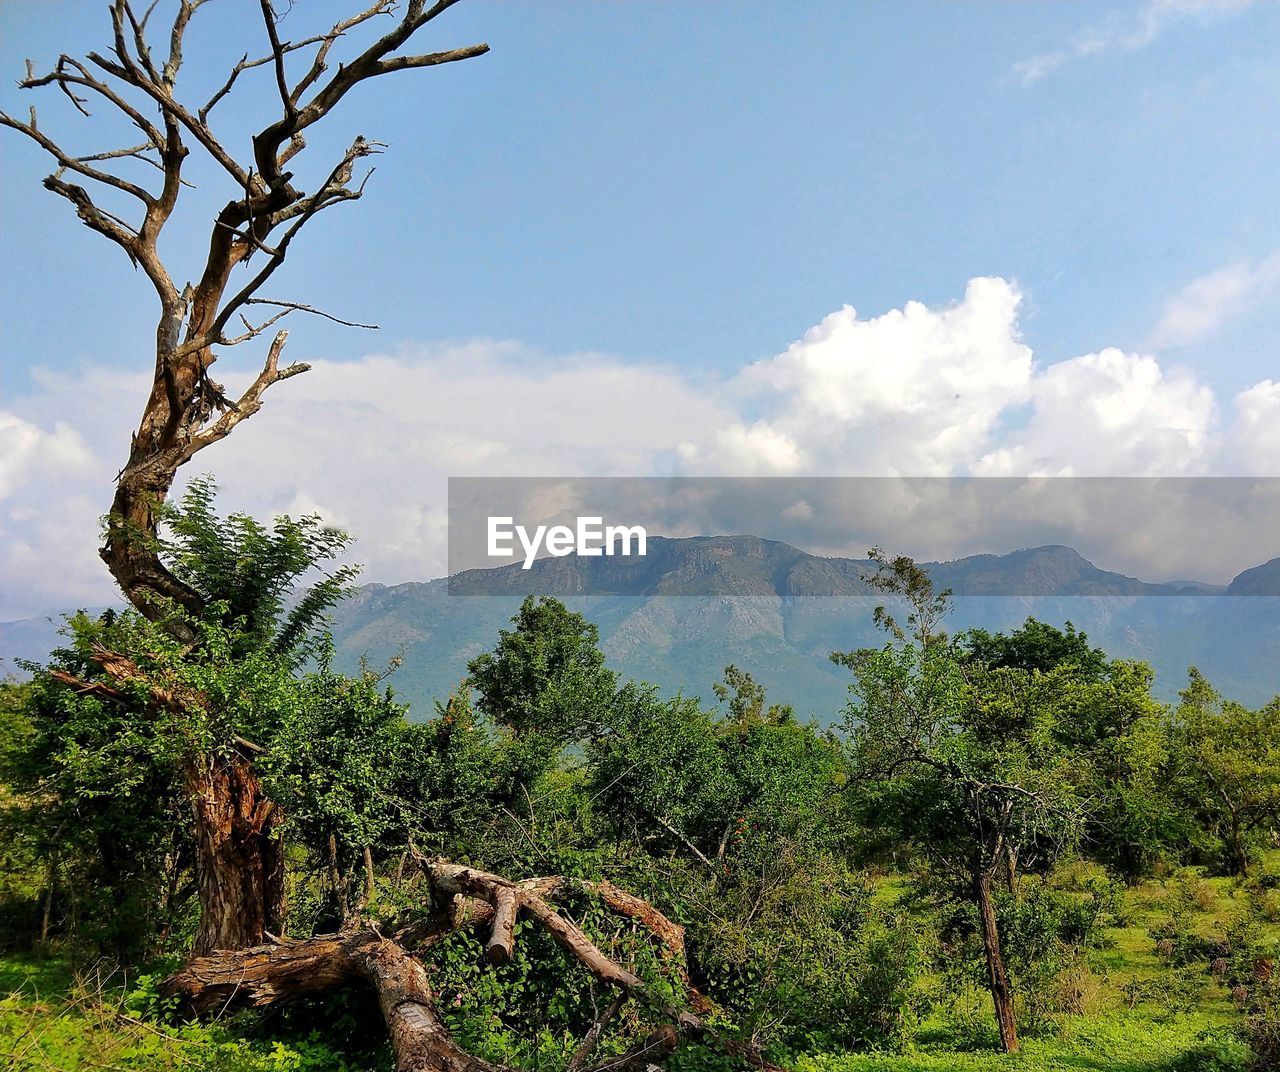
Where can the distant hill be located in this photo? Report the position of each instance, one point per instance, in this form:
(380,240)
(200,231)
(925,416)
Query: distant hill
(751,566)
(749,601)
(1262,580)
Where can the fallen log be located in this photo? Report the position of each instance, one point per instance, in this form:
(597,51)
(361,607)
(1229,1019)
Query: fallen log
(286,970)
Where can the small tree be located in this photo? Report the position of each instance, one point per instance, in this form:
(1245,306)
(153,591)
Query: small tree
(1105,715)
(956,760)
(1036,646)
(1231,765)
(746,700)
(546,681)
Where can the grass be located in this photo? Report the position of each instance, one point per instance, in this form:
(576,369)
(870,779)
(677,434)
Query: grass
(52,1020)
(1128,1043)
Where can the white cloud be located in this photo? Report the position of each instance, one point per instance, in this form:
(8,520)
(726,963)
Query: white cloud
(1125,32)
(1204,305)
(953,391)
(915,390)
(49,553)
(1255,446)
(369,444)
(1109,414)
(29,453)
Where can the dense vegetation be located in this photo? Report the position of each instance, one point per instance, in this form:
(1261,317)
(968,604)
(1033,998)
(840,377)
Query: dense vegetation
(1004,842)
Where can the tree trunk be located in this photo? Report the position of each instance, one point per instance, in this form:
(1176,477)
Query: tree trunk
(1011,869)
(997,977)
(130,551)
(1239,854)
(419,1039)
(239,855)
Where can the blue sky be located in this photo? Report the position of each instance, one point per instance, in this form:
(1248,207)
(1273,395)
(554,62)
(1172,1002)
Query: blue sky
(631,197)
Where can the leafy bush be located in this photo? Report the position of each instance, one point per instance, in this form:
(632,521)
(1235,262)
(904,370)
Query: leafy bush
(1217,1050)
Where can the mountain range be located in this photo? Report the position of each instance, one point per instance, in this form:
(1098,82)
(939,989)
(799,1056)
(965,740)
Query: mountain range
(679,614)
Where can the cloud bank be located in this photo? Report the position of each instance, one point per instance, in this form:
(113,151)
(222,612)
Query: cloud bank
(950,390)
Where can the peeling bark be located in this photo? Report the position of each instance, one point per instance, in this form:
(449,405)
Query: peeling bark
(239,855)
(419,1040)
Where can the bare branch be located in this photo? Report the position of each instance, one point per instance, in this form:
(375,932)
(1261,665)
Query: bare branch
(137,152)
(368,64)
(334,189)
(680,837)
(246,64)
(277,55)
(583,1054)
(63,76)
(252,332)
(302,308)
(250,402)
(162,94)
(92,216)
(296,144)
(319,64)
(146,18)
(506,905)
(186,9)
(71,163)
(141,48)
(405,63)
(451,878)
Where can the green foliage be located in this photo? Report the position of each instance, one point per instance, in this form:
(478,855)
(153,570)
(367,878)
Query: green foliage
(98,772)
(1261,1029)
(252,573)
(826,882)
(660,772)
(1230,766)
(536,1008)
(547,675)
(1217,1050)
(334,755)
(963,763)
(1036,647)
(1116,1043)
(746,700)
(1130,764)
(103,1019)
(97,790)
(23,877)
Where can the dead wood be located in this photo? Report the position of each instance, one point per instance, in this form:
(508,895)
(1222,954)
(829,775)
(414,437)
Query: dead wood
(282,971)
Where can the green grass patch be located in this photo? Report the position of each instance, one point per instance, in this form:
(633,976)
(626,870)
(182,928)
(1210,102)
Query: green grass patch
(52,1020)
(1131,1043)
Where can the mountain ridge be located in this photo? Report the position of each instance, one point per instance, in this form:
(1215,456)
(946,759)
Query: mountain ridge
(748,565)
(778,612)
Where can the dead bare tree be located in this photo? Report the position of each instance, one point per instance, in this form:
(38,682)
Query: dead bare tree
(239,864)
(186,411)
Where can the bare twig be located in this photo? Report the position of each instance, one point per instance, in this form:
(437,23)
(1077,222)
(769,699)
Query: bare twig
(302,308)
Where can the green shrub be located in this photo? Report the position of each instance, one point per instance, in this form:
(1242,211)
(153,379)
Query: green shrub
(1217,1050)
